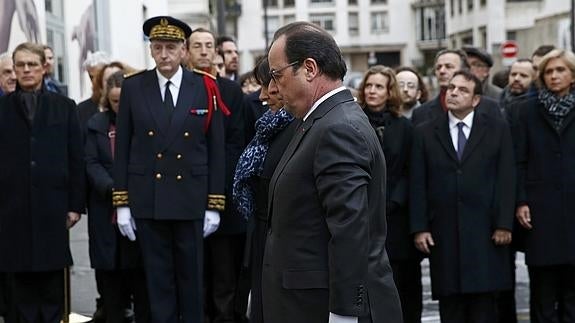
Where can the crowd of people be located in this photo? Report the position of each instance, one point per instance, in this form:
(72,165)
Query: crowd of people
(280,195)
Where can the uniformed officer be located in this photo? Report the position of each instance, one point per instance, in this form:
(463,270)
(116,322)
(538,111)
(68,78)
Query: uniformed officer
(168,179)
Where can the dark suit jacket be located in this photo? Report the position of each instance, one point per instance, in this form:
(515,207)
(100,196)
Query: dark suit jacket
(108,249)
(462,202)
(170,166)
(86,109)
(42,179)
(432,109)
(546,183)
(325,250)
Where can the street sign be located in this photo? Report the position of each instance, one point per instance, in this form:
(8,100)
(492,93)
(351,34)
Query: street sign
(509,49)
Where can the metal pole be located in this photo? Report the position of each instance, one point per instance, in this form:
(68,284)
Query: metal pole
(266,22)
(572,27)
(221,7)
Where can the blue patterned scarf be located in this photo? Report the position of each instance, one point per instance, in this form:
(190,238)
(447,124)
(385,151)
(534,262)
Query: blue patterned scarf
(557,107)
(251,162)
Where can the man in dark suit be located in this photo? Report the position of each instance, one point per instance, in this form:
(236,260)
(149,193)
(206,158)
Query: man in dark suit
(225,248)
(168,162)
(462,201)
(42,175)
(325,258)
(447,62)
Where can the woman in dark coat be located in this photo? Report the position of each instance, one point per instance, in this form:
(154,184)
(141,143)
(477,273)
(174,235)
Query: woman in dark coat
(545,143)
(115,257)
(274,130)
(380,97)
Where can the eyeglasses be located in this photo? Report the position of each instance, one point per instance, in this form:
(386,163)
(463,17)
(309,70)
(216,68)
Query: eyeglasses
(408,85)
(275,74)
(29,64)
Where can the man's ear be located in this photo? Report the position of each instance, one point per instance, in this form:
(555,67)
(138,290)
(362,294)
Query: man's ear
(475,101)
(311,69)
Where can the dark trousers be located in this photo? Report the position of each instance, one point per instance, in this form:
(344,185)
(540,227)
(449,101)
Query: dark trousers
(258,243)
(552,294)
(38,297)
(223,255)
(120,285)
(506,308)
(468,308)
(407,277)
(173,261)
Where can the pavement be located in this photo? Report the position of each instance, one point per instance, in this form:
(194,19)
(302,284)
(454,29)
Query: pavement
(83,286)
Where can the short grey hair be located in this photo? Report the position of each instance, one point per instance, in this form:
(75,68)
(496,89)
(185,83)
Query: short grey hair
(5,55)
(95,59)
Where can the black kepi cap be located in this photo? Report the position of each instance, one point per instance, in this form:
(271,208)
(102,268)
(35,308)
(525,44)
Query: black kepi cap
(166,28)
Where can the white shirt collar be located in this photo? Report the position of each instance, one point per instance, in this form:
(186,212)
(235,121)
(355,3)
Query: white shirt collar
(323,98)
(176,79)
(453,121)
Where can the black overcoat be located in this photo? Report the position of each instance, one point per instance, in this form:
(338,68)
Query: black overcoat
(42,178)
(546,183)
(462,202)
(395,135)
(108,249)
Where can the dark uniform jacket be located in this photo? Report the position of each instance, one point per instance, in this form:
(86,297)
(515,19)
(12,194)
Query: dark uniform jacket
(42,178)
(325,251)
(108,249)
(168,166)
(461,203)
(546,183)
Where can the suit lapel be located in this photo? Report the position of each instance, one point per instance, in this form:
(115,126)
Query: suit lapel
(546,117)
(477,132)
(444,136)
(155,103)
(568,120)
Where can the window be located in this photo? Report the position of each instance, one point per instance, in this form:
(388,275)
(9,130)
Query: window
(483,3)
(321,1)
(379,22)
(273,25)
(470,5)
(451,8)
(270,3)
(483,35)
(460,3)
(353,23)
(352,2)
(289,3)
(378,1)
(288,19)
(55,7)
(325,21)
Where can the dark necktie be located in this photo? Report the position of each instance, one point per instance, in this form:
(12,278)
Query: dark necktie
(168,100)
(461,140)
(30,101)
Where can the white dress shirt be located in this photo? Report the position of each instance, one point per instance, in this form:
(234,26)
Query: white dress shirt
(453,129)
(174,87)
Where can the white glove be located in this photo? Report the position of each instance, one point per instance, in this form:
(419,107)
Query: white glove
(211,222)
(126,222)
(334,318)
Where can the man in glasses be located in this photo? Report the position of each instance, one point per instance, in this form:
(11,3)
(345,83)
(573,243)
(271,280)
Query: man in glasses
(327,195)
(413,90)
(43,175)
